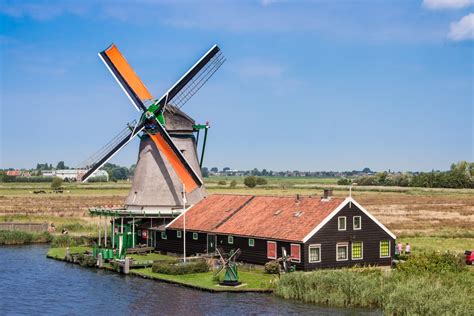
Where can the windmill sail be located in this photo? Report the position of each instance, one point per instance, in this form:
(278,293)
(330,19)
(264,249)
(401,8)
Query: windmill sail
(126,77)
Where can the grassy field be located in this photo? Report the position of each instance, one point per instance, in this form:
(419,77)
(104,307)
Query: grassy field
(427,218)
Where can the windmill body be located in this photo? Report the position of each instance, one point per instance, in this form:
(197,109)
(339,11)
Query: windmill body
(156,187)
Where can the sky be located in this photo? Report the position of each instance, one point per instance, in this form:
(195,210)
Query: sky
(307,85)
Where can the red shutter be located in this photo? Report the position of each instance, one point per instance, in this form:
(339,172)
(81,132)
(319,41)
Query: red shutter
(271,250)
(295,252)
(145,234)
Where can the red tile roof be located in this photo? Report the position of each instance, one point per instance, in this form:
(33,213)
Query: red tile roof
(271,217)
(210,212)
(13,173)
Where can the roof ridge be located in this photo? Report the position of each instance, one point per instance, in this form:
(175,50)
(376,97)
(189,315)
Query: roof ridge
(234,212)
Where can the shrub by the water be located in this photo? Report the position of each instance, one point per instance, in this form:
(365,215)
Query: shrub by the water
(272,267)
(70,241)
(86,260)
(415,287)
(20,237)
(197,266)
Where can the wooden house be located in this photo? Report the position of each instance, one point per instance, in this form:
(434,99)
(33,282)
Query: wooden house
(316,232)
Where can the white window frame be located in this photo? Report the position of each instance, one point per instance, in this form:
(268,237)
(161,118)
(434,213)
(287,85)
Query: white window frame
(361,250)
(360,222)
(314,246)
(179,234)
(253,242)
(342,244)
(230,240)
(164,236)
(338,222)
(274,243)
(389,248)
(195,236)
(297,260)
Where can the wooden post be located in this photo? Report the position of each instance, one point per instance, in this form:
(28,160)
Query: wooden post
(126,268)
(133,232)
(98,225)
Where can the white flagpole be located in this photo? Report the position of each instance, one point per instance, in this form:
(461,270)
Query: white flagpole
(184,224)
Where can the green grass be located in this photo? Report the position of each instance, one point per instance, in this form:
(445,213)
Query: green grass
(60,253)
(20,237)
(441,244)
(151,256)
(252,280)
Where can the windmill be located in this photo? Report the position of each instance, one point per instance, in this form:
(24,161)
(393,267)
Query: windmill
(228,262)
(167,158)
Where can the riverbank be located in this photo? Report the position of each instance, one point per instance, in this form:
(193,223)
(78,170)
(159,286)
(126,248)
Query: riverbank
(252,281)
(20,237)
(426,284)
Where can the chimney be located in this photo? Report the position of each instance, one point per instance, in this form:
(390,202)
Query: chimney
(327,194)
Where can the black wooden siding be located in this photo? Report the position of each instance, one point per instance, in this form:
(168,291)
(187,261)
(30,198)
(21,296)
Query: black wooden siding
(328,236)
(174,244)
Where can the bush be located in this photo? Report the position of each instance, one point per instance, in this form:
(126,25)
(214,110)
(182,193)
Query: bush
(97,179)
(433,263)
(233,184)
(250,182)
(222,182)
(70,241)
(86,260)
(197,266)
(344,181)
(20,237)
(272,267)
(57,183)
(261,181)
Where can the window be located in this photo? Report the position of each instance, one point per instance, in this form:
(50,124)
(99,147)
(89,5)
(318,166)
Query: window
(341,223)
(271,250)
(178,234)
(356,223)
(251,242)
(195,236)
(163,235)
(314,253)
(384,249)
(295,252)
(230,240)
(357,250)
(341,252)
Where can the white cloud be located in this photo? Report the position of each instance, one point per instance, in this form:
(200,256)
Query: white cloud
(446,4)
(462,29)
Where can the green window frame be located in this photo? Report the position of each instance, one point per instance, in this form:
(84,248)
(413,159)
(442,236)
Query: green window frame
(230,240)
(163,235)
(179,234)
(195,236)
(357,223)
(384,248)
(251,242)
(357,250)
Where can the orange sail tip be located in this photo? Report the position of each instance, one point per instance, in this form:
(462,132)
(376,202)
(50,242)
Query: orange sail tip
(179,168)
(124,68)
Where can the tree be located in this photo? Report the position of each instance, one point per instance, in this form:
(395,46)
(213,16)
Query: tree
(120,173)
(214,169)
(226,169)
(250,182)
(61,166)
(366,170)
(261,181)
(56,184)
(344,181)
(205,172)
(233,184)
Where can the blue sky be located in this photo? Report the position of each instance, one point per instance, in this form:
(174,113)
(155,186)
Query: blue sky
(307,85)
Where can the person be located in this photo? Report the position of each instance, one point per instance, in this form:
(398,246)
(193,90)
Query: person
(407,249)
(399,248)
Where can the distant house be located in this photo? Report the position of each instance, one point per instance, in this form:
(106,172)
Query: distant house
(315,232)
(73,174)
(14,173)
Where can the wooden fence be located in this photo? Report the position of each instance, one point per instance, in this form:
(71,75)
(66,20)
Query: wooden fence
(26,227)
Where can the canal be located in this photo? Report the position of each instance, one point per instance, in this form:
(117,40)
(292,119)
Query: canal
(32,284)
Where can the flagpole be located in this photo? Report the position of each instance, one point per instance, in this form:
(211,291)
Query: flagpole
(184,224)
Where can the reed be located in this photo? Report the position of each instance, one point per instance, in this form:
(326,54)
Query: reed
(20,237)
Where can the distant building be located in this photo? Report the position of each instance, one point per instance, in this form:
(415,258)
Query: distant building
(14,173)
(73,174)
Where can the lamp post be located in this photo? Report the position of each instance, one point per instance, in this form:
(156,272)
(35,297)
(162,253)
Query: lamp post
(184,224)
